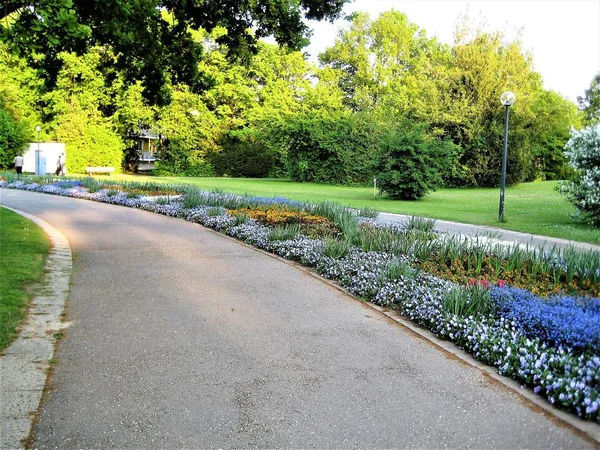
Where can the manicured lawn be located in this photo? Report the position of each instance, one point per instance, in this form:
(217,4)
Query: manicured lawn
(23,250)
(530,207)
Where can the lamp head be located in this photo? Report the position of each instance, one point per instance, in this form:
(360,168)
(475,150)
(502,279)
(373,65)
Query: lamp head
(508,98)
(38,128)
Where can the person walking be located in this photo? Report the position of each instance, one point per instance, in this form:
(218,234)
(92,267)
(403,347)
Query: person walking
(18,164)
(60,164)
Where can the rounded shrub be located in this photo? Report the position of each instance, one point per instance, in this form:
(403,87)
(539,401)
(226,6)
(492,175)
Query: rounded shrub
(583,190)
(410,162)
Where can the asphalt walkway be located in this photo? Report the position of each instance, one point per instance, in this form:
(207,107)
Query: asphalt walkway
(531,240)
(183,338)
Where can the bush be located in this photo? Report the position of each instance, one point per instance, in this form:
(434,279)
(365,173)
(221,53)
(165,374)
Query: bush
(13,137)
(410,162)
(179,160)
(89,141)
(331,148)
(243,154)
(583,190)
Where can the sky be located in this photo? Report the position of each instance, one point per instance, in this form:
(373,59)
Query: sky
(562,35)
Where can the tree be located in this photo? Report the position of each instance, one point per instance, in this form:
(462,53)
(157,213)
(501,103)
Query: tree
(484,65)
(388,65)
(152,46)
(550,131)
(590,102)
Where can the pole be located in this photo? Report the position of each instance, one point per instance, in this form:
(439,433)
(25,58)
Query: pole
(38,169)
(374,187)
(504,160)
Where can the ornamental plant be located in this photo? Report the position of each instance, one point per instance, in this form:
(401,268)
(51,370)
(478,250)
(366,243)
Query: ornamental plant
(410,162)
(583,190)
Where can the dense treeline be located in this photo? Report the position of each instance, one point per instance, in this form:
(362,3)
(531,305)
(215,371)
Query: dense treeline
(385,97)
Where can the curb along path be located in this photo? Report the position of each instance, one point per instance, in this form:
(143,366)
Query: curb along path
(25,363)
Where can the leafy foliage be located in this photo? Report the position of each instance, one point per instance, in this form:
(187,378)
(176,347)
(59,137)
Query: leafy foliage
(590,102)
(583,190)
(88,142)
(331,148)
(13,135)
(152,46)
(410,163)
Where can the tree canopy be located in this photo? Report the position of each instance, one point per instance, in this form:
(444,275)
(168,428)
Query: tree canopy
(152,40)
(590,102)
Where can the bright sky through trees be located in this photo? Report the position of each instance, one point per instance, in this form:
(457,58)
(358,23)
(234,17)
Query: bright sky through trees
(563,35)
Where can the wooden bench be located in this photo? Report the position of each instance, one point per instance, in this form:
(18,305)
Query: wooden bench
(92,170)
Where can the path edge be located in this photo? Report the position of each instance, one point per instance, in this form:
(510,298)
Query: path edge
(26,362)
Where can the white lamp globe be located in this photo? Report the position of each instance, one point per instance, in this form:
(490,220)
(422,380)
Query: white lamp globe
(38,128)
(508,98)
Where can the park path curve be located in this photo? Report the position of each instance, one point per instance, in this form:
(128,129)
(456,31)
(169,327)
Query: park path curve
(183,338)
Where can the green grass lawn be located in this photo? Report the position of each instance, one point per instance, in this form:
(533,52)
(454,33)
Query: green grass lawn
(23,251)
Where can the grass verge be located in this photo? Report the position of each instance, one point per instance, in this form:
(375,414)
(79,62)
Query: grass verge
(23,251)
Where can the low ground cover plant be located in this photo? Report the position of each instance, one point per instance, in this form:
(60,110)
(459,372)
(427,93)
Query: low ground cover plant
(549,343)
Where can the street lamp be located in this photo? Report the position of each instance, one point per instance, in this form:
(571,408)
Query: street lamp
(38,169)
(507,98)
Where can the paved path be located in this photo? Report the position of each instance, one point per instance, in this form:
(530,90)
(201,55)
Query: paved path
(182,338)
(505,235)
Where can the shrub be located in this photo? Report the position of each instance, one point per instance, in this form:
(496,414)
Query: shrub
(583,190)
(178,159)
(410,162)
(331,148)
(13,137)
(243,154)
(89,143)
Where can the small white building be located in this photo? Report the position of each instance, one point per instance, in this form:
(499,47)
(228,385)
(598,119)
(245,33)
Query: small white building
(49,153)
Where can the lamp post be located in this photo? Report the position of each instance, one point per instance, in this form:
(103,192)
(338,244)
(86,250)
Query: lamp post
(37,152)
(507,98)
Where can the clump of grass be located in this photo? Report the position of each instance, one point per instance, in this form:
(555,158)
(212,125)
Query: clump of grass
(369,212)
(241,218)
(422,224)
(285,232)
(397,270)
(336,248)
(215,211)
(469,301)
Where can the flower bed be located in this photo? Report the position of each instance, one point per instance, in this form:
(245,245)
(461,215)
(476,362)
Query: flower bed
(550,344)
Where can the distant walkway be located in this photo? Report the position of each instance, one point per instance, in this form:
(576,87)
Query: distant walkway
(505,235)
(184,338)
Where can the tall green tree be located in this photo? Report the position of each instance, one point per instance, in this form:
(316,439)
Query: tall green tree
(388,65)
(482,67)
(555,116)
(150,46)
(590,102)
